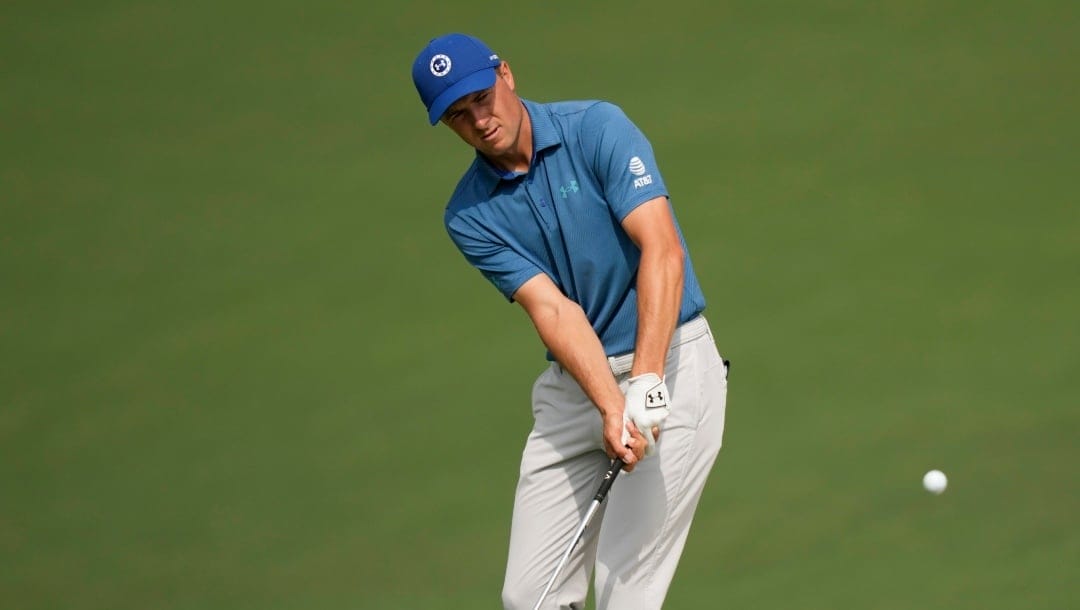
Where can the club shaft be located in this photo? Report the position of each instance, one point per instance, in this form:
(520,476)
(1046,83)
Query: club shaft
(605,486)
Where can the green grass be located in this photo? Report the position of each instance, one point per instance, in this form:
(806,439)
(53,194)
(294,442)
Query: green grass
(241,366)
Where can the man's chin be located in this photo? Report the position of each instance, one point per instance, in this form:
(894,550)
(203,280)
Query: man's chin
(493,149)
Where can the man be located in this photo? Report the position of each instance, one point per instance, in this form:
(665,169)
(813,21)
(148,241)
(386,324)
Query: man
(565,212)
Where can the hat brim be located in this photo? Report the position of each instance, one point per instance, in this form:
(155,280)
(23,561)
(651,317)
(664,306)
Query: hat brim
(477,81)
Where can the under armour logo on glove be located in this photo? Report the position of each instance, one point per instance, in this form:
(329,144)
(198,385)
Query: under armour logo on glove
(647,405)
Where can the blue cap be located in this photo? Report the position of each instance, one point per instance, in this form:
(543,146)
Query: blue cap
(451,67)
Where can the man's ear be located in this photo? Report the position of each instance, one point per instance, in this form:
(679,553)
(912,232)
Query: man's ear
(503,71)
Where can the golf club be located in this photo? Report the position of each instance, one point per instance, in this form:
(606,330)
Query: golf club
(598,499)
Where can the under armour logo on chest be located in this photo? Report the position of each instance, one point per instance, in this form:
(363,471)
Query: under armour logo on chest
(571,188)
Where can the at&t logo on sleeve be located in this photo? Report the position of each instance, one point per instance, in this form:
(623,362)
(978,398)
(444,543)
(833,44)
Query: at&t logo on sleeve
(637,168)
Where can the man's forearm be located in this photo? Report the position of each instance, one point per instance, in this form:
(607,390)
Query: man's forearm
(659,287)
(566,331)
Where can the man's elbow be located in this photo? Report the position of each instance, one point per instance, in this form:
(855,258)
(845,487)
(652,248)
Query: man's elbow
(550,311)
(678,255)
(672,256)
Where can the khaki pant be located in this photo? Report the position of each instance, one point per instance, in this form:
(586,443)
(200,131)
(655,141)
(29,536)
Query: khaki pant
(635,540)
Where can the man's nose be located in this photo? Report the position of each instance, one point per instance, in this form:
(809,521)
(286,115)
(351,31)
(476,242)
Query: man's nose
(479,116)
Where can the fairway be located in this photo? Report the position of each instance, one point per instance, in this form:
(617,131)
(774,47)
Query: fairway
(242,366)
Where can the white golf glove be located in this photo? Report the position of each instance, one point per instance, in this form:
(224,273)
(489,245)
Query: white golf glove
(647,405)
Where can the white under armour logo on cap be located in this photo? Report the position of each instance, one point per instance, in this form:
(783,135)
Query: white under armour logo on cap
(440,65)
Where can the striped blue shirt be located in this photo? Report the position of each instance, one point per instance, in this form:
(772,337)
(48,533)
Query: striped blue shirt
(591,166)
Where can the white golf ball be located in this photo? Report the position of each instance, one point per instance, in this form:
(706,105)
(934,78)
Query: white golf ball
(935,481)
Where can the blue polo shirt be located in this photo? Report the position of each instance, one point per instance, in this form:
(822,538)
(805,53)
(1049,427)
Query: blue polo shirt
(591,166)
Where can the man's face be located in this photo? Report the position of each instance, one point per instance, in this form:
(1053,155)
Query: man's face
(489,120)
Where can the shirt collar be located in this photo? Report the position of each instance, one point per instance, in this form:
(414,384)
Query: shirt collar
(544,133)
(544,136)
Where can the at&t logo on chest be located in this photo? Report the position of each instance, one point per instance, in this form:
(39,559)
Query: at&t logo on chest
(637,168)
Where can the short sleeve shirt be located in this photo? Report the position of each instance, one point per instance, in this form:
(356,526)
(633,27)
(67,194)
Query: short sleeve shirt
(591,167)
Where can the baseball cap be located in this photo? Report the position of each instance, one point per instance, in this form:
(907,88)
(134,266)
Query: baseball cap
(451,67)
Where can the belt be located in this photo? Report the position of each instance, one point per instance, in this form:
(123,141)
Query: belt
(684,333)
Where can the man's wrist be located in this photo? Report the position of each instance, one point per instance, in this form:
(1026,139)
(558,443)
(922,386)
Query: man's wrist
(612,409)
(644,366)
(659,371)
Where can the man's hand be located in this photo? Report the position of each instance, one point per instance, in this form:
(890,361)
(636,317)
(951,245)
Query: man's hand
(647,405)
(622,440)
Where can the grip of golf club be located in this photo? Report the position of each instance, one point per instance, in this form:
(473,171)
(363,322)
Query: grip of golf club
(609,478)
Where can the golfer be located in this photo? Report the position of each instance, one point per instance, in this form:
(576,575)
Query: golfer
(565,211)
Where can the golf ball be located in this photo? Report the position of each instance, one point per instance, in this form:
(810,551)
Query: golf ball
(935,481)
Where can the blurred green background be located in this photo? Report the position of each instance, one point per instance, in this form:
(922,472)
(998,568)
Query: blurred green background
(242,366)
